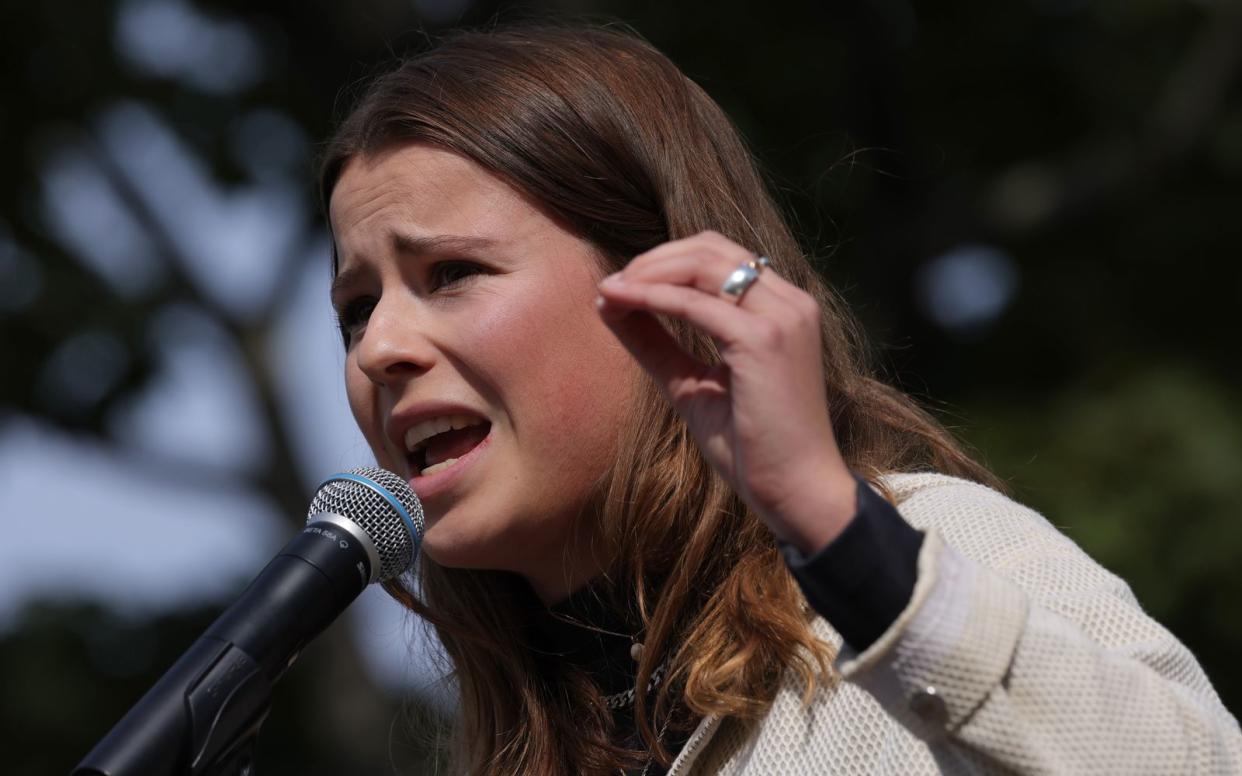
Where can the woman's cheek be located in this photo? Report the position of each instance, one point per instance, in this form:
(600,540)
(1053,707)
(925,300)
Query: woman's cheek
(364,406)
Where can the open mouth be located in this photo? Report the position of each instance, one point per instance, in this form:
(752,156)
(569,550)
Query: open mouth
(435,445)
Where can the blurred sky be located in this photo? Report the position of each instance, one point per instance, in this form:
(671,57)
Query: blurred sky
(124,532)
(140,543)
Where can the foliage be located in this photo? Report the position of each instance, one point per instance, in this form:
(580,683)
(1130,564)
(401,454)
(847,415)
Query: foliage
(1140,470)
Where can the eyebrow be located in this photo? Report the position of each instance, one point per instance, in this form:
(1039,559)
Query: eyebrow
(441,243)
(410,245)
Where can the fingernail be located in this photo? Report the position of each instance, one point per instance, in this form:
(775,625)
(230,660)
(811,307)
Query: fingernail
(612,280)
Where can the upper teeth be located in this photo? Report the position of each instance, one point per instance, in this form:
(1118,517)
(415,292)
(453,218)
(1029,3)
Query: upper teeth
(421,432)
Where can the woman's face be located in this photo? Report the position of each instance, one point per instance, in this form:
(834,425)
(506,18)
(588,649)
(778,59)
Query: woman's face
(477,365)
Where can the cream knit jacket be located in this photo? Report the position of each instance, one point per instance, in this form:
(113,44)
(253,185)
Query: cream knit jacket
(1017,653)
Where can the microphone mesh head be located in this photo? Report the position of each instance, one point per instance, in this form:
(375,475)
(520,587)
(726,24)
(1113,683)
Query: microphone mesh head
(368,502)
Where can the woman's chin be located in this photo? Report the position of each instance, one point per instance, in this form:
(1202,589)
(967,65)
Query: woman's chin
(454,546)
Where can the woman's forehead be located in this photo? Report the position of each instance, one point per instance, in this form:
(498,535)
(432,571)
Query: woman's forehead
(422,190)
(421,199)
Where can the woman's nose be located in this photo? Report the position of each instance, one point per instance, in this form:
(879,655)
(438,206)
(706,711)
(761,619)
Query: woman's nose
(392,346)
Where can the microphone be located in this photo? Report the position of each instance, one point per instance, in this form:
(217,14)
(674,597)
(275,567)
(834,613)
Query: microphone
(202,716)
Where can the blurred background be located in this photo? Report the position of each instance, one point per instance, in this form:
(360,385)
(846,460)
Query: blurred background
(1035,207)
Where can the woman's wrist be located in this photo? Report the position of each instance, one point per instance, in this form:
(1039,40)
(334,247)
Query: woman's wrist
(818,510)
(864,577)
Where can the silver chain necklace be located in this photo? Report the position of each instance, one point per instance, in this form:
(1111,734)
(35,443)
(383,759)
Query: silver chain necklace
(622,699)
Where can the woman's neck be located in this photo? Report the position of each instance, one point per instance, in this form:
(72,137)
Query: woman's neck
(554,582)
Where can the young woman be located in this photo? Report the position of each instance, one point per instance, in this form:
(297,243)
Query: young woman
(674,522)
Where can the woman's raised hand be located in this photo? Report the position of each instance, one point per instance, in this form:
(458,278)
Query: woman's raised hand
(761,415)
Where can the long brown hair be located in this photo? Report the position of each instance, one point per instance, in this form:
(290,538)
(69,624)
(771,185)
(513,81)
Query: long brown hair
(612,140)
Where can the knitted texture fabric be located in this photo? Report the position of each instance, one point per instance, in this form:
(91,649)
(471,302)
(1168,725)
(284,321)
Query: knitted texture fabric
(1017,653)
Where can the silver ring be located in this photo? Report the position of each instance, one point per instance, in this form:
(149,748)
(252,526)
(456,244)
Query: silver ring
(742,278)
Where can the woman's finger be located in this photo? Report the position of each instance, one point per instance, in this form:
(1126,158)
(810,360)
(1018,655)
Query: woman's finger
(717,257)
(705,273)
(725,321)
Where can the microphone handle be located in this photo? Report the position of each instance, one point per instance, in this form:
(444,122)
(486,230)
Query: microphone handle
(213,699)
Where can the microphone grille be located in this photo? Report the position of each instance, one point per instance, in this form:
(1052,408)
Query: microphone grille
(383,506)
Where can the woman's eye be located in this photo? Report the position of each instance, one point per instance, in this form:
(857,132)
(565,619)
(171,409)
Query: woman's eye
(354,314)
(451,273)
